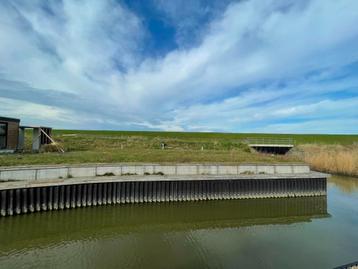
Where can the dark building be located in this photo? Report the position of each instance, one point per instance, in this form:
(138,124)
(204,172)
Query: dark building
(9,133)
(12,135)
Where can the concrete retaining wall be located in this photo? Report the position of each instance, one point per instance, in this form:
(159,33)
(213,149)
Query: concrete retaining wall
(63,172)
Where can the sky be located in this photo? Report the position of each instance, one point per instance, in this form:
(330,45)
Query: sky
(264,66)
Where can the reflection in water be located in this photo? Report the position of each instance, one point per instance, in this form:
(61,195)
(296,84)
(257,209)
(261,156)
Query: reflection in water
(346,184)
(52,227)
(262,233)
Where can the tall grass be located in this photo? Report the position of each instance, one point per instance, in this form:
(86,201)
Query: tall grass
(337,159)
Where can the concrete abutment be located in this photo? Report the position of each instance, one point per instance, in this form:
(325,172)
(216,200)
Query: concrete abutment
(33,189)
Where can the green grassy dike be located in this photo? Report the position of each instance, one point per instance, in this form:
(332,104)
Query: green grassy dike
(124,146)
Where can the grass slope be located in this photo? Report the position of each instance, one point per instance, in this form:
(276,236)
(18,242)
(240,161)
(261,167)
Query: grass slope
(298,138)
(124,146)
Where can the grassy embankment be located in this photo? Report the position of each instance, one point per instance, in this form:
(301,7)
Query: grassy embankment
(331,153)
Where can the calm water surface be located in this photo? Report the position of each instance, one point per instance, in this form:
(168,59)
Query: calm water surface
(268,233)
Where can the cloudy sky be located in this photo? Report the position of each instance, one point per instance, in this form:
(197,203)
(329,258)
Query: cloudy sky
(278,66)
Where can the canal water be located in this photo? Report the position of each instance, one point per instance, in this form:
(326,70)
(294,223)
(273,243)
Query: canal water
(311,232)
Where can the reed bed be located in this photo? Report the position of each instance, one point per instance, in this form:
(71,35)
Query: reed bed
(336,159)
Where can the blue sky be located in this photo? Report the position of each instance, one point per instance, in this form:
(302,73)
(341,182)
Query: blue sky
(274,66)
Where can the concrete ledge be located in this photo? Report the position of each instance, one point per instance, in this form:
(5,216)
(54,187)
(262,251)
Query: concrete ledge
(40,173)
(301,169)
(105,170)
(167,169)
(228,170)
(156,178)
(284,169)
(82,171)
(52,173)
(23,174)
(208,169)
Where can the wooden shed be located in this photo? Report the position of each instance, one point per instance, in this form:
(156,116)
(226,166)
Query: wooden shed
(9,133)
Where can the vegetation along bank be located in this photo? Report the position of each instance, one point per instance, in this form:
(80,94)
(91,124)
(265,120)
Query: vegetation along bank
(328,153)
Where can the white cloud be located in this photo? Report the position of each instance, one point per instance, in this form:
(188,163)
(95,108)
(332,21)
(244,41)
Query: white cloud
(35,114)
(230,81)
(75,51)
(322,126)
(231,115)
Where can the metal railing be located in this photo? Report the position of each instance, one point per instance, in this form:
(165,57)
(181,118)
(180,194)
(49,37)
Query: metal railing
(268,141)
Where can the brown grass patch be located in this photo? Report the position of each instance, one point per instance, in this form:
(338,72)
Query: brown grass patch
(53,147)
(335,159)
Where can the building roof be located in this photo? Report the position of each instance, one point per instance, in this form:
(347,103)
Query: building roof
(32,127)
(9,119)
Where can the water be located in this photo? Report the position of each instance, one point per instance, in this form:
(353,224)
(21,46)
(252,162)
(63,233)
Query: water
(266,233)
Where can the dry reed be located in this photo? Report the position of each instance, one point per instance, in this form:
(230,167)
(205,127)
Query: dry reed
(335,159)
